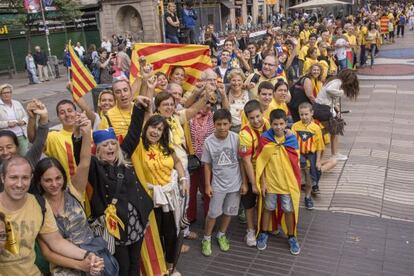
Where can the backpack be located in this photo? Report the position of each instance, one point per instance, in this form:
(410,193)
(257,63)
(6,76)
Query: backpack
(40,261)
(88,61)
(297,91)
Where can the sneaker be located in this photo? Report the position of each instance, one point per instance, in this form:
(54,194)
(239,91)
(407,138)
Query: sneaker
(294,246)
(262,241)
(206,248)
(224,243)
(242,216)
(308,203)
(250,238)
(340,157)
(315,190)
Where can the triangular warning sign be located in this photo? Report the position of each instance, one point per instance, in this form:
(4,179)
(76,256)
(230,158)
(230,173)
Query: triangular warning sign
(224,159)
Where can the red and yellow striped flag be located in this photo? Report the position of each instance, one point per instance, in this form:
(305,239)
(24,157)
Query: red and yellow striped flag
(194,58)
(82,80)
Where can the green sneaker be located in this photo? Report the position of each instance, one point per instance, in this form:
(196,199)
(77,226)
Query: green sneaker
(206,248)
(223,243)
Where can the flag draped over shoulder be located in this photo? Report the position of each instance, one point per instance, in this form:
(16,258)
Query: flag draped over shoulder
(194,58)
(82,80)
(290,164)
(152,262)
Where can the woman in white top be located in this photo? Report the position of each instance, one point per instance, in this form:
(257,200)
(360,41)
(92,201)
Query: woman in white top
(13,117)
(237,97)
(328,100)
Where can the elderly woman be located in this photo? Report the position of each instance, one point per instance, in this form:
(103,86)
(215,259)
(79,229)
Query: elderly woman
(13,117)
(237,97)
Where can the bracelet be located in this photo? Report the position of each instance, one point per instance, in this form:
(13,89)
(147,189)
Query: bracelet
(86,254)
(183,178)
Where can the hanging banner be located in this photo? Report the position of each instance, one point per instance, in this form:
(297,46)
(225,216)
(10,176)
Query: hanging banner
(32,6)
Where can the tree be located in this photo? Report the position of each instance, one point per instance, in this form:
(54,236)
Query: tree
(14,14)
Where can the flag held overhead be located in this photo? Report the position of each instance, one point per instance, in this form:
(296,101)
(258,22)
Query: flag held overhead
(82,80)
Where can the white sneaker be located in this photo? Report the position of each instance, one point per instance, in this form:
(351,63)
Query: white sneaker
(250,238)
(340,157)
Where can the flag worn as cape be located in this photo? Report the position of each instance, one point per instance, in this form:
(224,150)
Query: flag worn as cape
(289,150)
(82,80)
(163,56)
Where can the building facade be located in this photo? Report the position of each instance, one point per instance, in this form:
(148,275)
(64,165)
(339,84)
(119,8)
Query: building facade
(139,17)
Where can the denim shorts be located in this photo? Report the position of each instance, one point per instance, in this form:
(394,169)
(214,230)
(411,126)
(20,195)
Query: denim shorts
(271,202)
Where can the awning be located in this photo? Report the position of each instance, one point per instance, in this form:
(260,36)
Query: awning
(318,3)
(229,4)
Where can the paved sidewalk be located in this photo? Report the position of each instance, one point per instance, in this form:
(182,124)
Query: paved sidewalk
(364,222)
(377,181)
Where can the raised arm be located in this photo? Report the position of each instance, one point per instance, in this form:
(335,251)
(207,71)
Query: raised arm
(197,106)
(37,108)
(80,178)
(137,120)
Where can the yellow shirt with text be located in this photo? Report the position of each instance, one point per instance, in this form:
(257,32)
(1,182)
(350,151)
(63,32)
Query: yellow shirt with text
(26,224)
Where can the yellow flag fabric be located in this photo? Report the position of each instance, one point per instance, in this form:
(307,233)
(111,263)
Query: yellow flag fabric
(82,80)
(12,244)
(152,254)
(290,165)
(163,56)
(113,221)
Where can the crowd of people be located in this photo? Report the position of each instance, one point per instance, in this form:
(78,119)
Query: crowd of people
(248,138)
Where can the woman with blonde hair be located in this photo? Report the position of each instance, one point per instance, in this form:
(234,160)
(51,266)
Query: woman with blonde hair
(237,97)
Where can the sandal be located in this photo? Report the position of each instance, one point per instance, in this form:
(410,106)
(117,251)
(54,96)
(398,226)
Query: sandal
(191,236)
(185,248)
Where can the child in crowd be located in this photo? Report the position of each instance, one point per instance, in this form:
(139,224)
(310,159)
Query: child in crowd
(224,179)
(311,145)
(249,140)
(278,180)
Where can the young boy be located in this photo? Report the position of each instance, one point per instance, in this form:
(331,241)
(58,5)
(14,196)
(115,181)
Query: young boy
(311,145)
(249,140)
(278,180)
(224,179)
(265,98)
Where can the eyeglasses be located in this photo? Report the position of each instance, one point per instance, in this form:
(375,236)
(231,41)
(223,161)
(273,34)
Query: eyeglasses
(269,64)
(6,92)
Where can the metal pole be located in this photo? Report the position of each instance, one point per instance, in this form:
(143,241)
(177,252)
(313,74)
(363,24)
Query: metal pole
(45,26)
(161,10)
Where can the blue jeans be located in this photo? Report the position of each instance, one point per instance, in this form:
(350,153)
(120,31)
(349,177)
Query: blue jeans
(342,64)
(373,50)
(172,39)
(313,171)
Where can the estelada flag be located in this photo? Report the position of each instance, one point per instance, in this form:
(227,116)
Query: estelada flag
(163,56)
(81,80)
(288,152)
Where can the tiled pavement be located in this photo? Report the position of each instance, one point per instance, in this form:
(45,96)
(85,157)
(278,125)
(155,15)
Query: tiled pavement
(364,222)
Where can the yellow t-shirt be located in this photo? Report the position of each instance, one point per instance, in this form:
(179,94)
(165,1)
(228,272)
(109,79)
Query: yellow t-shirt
(152,166)
(304,36)
(275,177)
(309,137)
(120,120)
(304,51)
(26,223)
(307,64)
(275,105)
(352,40)
(59,145)
(249,140)
(363,34)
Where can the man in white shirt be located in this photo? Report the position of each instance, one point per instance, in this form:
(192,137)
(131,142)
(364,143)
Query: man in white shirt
(79,49)
(106,44)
